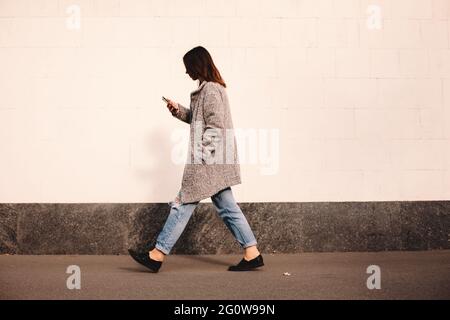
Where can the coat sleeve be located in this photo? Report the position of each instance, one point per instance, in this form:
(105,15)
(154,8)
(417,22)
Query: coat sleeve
(214,117)
(184,114)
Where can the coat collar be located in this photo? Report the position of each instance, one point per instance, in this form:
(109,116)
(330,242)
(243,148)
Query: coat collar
(199,88)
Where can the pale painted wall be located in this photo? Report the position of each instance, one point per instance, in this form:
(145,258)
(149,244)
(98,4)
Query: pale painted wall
(362,113)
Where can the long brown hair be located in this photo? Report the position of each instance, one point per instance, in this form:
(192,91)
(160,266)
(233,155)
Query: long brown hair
(199,63)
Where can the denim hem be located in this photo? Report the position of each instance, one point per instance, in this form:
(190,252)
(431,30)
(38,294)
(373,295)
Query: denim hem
(249,245)
(162,249)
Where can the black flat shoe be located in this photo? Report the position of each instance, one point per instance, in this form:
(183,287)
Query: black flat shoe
(144,259)
(245,265)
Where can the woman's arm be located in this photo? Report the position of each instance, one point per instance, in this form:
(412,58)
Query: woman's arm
(183,114)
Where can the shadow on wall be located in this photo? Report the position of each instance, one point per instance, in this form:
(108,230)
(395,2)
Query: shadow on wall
(147,220)
(164,175)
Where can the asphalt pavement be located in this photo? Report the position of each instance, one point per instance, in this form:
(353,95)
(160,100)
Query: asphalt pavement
(401,275)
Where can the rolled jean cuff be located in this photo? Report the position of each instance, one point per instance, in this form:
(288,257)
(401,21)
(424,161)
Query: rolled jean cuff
(249,245)
(162,249)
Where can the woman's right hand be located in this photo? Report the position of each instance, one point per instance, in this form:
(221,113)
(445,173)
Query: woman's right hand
(173,107)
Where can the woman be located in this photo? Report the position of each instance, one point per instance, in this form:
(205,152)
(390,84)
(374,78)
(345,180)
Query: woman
(212,167)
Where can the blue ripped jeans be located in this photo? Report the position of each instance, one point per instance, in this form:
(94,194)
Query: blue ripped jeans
(228,210)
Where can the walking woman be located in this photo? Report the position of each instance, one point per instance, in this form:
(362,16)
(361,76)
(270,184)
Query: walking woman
(212,166)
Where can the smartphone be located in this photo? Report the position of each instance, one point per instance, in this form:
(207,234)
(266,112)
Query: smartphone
(165,99)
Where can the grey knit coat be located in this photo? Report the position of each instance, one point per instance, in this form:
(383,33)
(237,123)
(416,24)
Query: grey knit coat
(212,163)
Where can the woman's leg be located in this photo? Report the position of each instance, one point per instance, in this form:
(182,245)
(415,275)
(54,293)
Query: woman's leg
(235,221)
(179,215)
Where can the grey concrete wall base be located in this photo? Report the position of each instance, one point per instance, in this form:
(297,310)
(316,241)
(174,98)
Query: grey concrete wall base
(96,228)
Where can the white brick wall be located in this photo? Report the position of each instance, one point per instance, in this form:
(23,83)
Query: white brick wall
(363,113)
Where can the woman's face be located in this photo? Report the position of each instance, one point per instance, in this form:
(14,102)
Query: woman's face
(190,75)
(193,77)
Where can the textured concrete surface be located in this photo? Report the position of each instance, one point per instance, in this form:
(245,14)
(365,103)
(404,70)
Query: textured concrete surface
(279,227)
(404,275)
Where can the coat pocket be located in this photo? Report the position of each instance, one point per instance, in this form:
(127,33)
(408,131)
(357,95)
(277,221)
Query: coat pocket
(212,149)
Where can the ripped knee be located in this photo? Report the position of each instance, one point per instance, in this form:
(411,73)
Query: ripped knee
(176,202)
